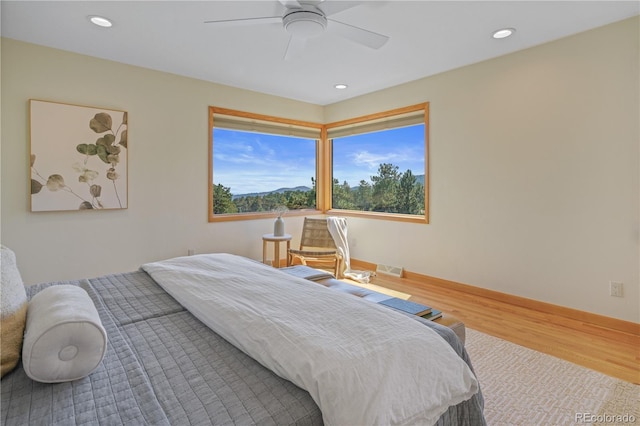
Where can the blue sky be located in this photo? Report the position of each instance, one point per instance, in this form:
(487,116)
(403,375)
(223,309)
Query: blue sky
(357,157)
(254,162)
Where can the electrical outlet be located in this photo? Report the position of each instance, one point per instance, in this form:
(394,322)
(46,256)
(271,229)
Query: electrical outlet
(191,252)
(615,289)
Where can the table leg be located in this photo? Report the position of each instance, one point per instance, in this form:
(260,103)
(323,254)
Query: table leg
(264,251)
(276,253)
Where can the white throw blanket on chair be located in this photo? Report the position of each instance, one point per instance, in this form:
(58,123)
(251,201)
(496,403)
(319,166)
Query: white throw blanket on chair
(338,230)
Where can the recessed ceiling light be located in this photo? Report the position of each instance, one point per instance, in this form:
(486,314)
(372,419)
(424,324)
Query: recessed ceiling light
(101,21)
(340,86)
(503,33)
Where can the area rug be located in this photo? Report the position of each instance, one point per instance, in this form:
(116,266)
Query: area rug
(525,387)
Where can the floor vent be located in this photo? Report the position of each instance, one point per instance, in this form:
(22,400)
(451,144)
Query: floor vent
(396,271)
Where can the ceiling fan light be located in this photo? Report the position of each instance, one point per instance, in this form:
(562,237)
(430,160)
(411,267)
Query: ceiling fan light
(304,23)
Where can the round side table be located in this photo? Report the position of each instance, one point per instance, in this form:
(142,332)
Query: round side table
(270,238)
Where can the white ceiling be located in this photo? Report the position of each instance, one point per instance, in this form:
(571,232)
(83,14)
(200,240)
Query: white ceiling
(426,38)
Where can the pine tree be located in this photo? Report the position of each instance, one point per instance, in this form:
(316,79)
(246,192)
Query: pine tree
(385,186)
(222,200)
(363,196)
(342,196)
(408,195)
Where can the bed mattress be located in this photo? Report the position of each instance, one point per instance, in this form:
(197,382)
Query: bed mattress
(163,366)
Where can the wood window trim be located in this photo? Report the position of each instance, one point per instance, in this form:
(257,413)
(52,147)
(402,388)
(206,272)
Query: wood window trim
(252,116)
(323,166)
(379,215)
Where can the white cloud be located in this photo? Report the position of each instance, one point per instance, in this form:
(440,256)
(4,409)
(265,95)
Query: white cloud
(372,161)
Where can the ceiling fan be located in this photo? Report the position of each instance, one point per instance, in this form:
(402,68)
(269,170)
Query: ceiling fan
(304,19)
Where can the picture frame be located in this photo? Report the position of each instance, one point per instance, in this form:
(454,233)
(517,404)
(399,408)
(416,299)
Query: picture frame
(78,157)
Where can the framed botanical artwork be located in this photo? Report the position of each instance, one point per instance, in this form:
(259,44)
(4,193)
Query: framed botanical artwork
(78,157)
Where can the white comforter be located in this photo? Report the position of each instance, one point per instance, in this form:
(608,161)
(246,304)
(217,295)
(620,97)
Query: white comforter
(363,364)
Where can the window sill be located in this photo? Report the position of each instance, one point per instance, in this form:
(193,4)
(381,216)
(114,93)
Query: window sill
(229,217)
(396,217)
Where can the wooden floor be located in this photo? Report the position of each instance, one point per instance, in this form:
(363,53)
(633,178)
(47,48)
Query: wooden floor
(609,351)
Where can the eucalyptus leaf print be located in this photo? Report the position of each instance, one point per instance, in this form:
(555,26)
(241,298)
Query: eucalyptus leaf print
(55,183)
(86,175)
(87,149)
(101,150)
(94,173)
(35,186)
(95,191)
(123,138)
(112,175)
(101,122)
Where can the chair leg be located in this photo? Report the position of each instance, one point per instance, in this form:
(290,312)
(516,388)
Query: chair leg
(340,267)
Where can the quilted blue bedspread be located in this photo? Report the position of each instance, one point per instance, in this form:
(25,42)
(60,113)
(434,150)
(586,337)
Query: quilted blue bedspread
(163,366)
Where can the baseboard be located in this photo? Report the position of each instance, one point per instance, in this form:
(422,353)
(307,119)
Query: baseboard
(523,302)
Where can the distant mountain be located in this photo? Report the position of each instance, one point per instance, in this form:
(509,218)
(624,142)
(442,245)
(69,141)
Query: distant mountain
(277,191)
(419,179)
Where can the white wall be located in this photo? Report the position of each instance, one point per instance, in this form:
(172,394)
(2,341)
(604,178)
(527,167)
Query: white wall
(534,171)
(534,174)
(168,165)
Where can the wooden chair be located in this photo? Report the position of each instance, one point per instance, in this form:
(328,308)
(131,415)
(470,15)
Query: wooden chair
(317,248)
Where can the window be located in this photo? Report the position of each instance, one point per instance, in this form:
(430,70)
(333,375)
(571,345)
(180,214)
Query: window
(374,166)
(379,164)
(259,164)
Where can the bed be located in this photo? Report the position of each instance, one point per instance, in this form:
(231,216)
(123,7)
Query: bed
(165,364)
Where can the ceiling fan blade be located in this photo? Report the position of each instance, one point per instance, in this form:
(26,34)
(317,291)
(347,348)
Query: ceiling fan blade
(332,7)
(290,4)
(295,47)
(357,34)
(247,21)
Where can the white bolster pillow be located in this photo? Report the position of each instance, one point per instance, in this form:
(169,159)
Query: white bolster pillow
(64,339)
